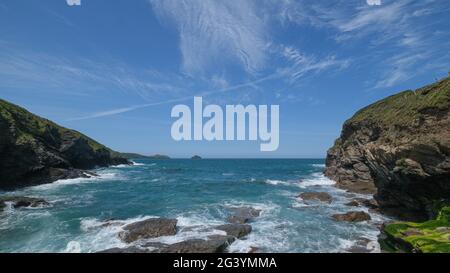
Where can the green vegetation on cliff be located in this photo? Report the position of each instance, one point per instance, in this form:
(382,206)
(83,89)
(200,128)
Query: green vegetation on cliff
(29,127)
(34,150)
(406,107)
(428,237)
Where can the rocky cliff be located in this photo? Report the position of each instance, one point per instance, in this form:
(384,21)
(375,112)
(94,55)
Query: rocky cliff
(398,148)
(34,150)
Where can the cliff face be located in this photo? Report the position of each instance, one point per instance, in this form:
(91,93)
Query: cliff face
(398,148)
(34,150)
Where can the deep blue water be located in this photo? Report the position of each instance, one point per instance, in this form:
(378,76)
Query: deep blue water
(198,193)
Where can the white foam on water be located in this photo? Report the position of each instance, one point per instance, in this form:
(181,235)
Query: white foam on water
(102,176)
(317,179)
(73,247)
(318,165)
(140,164)
(227,174)
(277,182)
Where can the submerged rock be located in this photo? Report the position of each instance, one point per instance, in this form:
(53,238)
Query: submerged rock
(243,215)
(352,216)
(150,228)
(235,230)
(21,201)
(320,196)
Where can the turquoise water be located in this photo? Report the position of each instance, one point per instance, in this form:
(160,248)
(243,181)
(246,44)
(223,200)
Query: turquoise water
(199,193)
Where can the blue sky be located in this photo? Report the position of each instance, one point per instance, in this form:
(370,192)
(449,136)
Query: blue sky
(114,69)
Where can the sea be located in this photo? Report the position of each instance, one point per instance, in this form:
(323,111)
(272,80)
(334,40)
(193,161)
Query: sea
(200,194)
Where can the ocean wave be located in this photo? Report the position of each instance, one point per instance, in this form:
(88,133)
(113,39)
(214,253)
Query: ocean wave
(318,165)
(101,176)
(317,179)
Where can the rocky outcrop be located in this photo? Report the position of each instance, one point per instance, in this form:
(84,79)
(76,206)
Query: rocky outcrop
(150,228)
(243,215)
(317,196)
(34,150)
(196,157)
(352,216)
(21,201)
(399,149)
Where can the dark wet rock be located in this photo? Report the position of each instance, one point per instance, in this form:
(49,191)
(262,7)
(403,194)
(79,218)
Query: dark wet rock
(243,215)
(213,244)
(318,196)
(352,216)
(131,249)
(235,230)
(150,228)
(398,149)
(21,201)
(369,203)
(361,246)
(34,150)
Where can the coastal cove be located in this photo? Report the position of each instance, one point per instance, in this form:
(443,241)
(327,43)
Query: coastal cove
(87,214)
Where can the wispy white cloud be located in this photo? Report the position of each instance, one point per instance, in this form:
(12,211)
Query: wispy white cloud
(301,64)
(213,33)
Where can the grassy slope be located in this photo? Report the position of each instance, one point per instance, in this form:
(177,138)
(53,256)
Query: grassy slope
(28,126)
(405,107)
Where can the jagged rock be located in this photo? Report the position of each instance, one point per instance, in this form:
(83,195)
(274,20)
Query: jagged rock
(34,150)
(320,196)
(21,201)
(398,148)
(150,228)
(243,215)
(235,230)
(352,216)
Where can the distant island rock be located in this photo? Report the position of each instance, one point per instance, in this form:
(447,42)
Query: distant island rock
(196,157)
(34,150)
(139,156)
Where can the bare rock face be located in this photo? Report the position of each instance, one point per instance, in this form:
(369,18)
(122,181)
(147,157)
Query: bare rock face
(399,149)
(34,150)
(320,196)
(150,228)
(352,216)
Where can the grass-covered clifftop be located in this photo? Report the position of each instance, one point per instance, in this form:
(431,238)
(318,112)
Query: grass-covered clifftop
(405,108)
(35,150)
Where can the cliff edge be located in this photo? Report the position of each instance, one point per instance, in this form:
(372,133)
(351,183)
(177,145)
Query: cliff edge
(398,148)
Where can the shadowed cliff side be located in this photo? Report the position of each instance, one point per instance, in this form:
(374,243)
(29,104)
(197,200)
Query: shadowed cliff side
(34,150)
(398,148)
